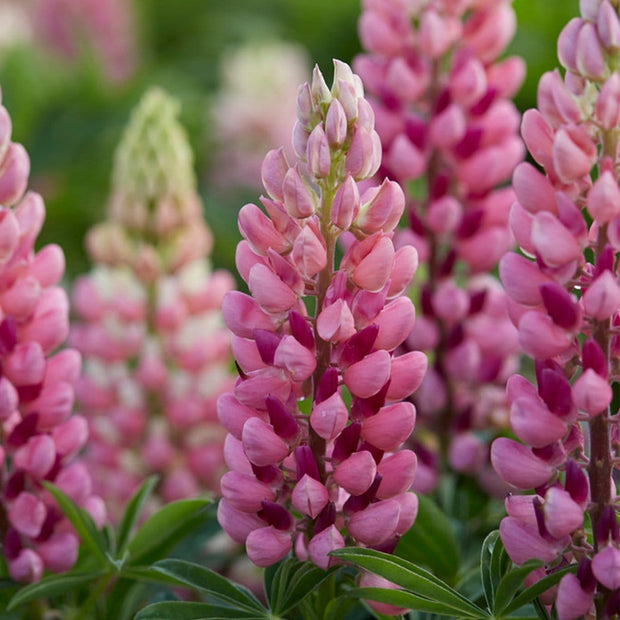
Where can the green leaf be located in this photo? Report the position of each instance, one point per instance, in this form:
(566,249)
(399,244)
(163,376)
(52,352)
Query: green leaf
(165,528)
(510,584)
(268,580)
(181,610)
(280,579)
(52,585)
(337,608)
(529,594)
(400,598)
(411,577)
(205,580)
(132,513)
(83,524)
(431,541)
(486,568)
(302,579)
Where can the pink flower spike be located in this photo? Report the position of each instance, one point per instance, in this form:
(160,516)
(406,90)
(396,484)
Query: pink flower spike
(259,230)
(562,514)
(397,473)
(27,514)
(606,567)
(322,544)
(592,393)
(405,159)
(9,231)
(267,545)
(243,315)
(376,523)
(37,457)
(405,266)
(389,428)
(382,208)
(572,600)
(608,26)
(373,271)
(357,473)
(368,376)
(602,298)
(336,124)
(534,424)
(309,496)
(261,444)
(244,492)
(516,464)
(329,417)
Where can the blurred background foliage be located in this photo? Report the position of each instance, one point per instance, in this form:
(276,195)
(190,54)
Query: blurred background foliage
(69,115)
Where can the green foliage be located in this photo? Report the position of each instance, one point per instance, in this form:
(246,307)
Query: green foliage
(111,565)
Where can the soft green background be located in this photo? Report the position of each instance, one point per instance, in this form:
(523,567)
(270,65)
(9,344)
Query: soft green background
(70,120)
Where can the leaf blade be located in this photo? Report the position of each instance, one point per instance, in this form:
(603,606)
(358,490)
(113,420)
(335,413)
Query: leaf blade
(132,513)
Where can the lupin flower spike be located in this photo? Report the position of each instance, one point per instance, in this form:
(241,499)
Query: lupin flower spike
(565,301)
(309,471)
(449,133)
(39,438)
(156,351)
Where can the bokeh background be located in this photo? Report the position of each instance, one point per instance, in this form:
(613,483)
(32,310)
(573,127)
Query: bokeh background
(71,70)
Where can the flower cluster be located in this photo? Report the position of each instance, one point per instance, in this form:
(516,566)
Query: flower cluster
(105,26)
(449,135)
(254,109)
(317,417)
(156,351)
(39,437)
(565,300)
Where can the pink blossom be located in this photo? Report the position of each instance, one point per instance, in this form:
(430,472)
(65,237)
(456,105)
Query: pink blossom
(324,465)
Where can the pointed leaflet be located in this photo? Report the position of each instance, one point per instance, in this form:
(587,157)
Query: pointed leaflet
(132,513)
(182,610)
(416,580)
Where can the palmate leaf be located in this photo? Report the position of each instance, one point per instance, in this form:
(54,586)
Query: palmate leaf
(292,582)
(165,528)
(52,585)
(535,590)
(431,542)
(510,584)
(83,524)
(415,580)
(182,610)
(401,598)
(209,582)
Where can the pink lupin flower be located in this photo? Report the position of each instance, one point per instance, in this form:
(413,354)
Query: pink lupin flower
(40,438)
(566,316)
(154,343)
(440,97)
(284,460)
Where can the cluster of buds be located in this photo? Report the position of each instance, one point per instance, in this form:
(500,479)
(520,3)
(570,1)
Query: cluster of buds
(565,300)
(254,109)
(318,416)
(39,437)
(156,351)
(106,27)
(450,137)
